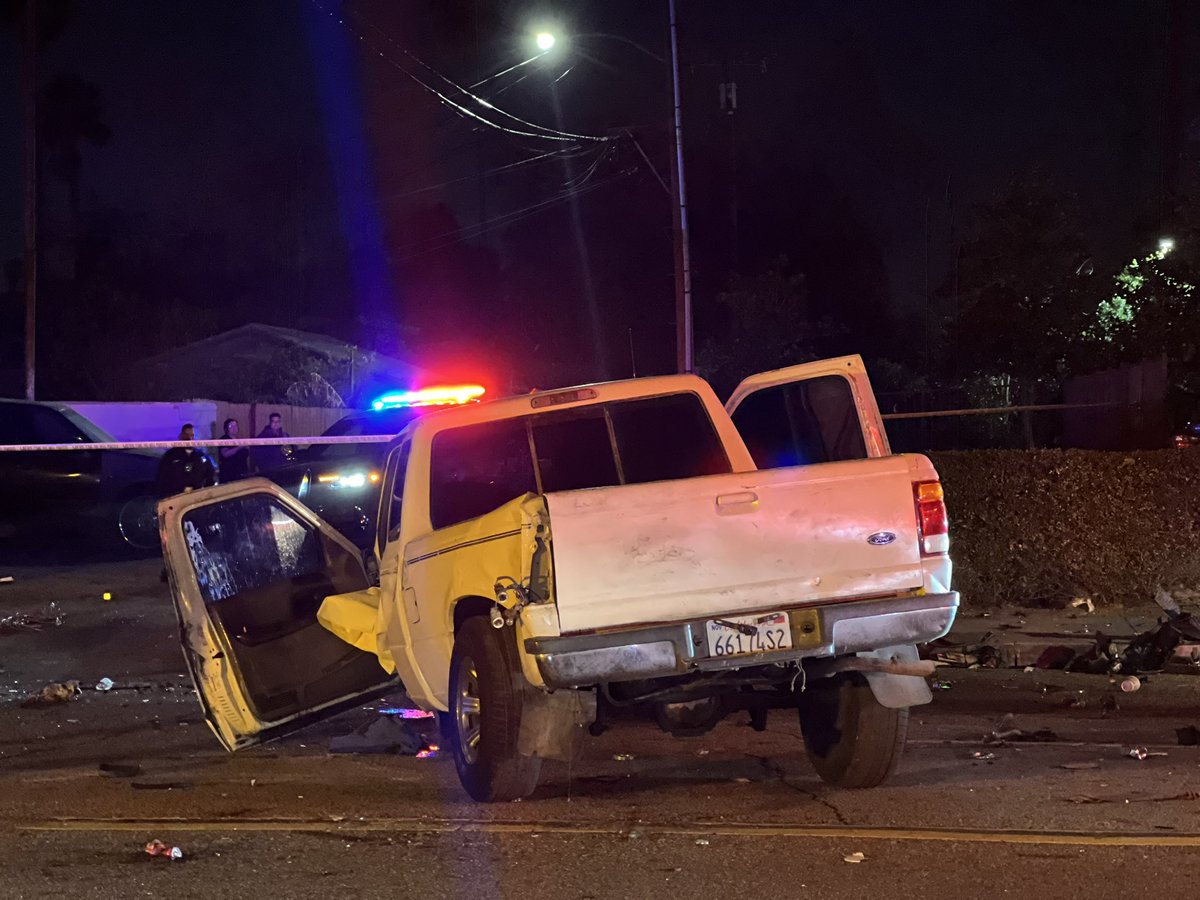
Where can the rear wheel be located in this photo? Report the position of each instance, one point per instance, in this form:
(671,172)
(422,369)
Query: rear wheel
(851,740)
(484,721)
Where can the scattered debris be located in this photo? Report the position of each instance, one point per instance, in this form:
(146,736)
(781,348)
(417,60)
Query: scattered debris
(158,848)
(1188,736)
(106,596)
(1079,766)
(622,757)
(7,579)
(105,684)
(1005,730)
(1141,753)
(856,857)
(401,712)
(1028,669)
(970,656)
(1087,798)
(702,842)
(55,692)
(1084,603)
(119,770)
(979,754)
(940,685)
(384,735)
(430,752)
(19,622)
(1131,684)
(1056,657)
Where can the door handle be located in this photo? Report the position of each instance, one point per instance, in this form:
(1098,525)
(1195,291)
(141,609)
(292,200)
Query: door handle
(737,500)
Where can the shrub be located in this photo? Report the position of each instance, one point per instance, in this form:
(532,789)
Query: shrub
(1046,525)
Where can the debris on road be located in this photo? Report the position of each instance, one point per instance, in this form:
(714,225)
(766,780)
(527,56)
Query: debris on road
(19,622)
(105,684)
(623,757)
(702,842)
(856,857)
(158,848)
(7,579)
(403,712)
(384,735)
(1188,736)
(1005,730)
(430,752)
(1084,603)
(106,596)
(55,692)
(979,754)
(1056,657)
(940,685)
(1141,753)
(1131,684)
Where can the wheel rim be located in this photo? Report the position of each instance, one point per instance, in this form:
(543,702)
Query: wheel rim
(467,709)
(138,523)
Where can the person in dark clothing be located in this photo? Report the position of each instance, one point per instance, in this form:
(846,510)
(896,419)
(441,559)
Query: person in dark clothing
(184,468)
(234,461)
(268,458)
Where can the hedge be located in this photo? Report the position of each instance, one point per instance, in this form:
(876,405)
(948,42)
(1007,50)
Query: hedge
(1031,526)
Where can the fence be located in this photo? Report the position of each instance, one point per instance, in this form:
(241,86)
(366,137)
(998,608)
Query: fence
(162,421)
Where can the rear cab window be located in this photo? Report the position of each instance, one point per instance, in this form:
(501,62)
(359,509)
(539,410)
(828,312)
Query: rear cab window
(478,468)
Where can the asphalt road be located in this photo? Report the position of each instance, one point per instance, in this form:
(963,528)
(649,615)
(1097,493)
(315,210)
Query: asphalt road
(734,813)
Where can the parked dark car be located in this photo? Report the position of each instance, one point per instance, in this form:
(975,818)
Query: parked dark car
(340,482)
(77,489)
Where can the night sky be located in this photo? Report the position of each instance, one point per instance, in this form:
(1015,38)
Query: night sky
(293,173)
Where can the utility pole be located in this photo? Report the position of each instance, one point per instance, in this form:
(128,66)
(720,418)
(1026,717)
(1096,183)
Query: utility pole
(29,89)
(683,259)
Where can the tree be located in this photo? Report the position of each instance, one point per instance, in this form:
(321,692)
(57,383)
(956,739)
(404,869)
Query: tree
(1021,298)
(763,323)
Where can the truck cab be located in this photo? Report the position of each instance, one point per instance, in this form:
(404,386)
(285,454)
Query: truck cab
(541,557)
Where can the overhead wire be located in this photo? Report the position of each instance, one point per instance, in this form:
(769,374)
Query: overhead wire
(542,132)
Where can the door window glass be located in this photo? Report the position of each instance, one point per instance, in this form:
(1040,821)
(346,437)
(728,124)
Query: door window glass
(801,423)
(51,427)
(398,465)
(247,543)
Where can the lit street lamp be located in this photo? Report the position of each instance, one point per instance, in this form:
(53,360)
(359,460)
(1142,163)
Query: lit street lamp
(545,41)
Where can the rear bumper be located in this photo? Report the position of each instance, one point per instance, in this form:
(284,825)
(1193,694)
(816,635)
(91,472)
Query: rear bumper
(663,650)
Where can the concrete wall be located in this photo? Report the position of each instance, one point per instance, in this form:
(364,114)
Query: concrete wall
(162,421)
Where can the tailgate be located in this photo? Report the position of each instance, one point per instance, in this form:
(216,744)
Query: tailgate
(697,547)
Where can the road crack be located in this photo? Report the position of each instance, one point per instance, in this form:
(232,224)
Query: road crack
(775,769)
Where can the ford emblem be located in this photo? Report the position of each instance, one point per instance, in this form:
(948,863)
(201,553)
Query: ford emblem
(881,538)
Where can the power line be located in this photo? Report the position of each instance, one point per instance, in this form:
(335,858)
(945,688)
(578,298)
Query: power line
(543,132)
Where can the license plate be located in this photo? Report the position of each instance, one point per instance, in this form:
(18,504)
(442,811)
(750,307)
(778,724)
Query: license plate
(743,635)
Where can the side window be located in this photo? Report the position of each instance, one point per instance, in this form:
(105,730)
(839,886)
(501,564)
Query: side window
(50,427)
(662,438)
(574,451)
(247,543)
(804,422)
(478,468)
(397,467)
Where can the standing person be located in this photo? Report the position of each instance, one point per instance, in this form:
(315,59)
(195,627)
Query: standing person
(268,458)
(234,461)
(184,468)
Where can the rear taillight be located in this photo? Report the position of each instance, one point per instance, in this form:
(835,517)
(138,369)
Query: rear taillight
(932,523)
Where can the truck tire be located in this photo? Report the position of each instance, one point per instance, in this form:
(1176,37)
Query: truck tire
(851,740)
(484,721)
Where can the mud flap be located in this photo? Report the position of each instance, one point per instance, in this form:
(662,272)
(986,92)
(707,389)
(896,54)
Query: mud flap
(897,691)
(553,725)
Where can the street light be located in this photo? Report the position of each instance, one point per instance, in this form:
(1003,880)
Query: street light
(1165,246)
(545,41)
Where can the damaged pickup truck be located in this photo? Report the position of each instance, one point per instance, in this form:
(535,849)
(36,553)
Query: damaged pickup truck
(546,556)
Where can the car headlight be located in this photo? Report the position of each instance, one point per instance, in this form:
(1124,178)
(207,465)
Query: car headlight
(349,480)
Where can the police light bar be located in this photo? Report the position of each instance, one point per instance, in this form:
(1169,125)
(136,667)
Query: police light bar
(435,396)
